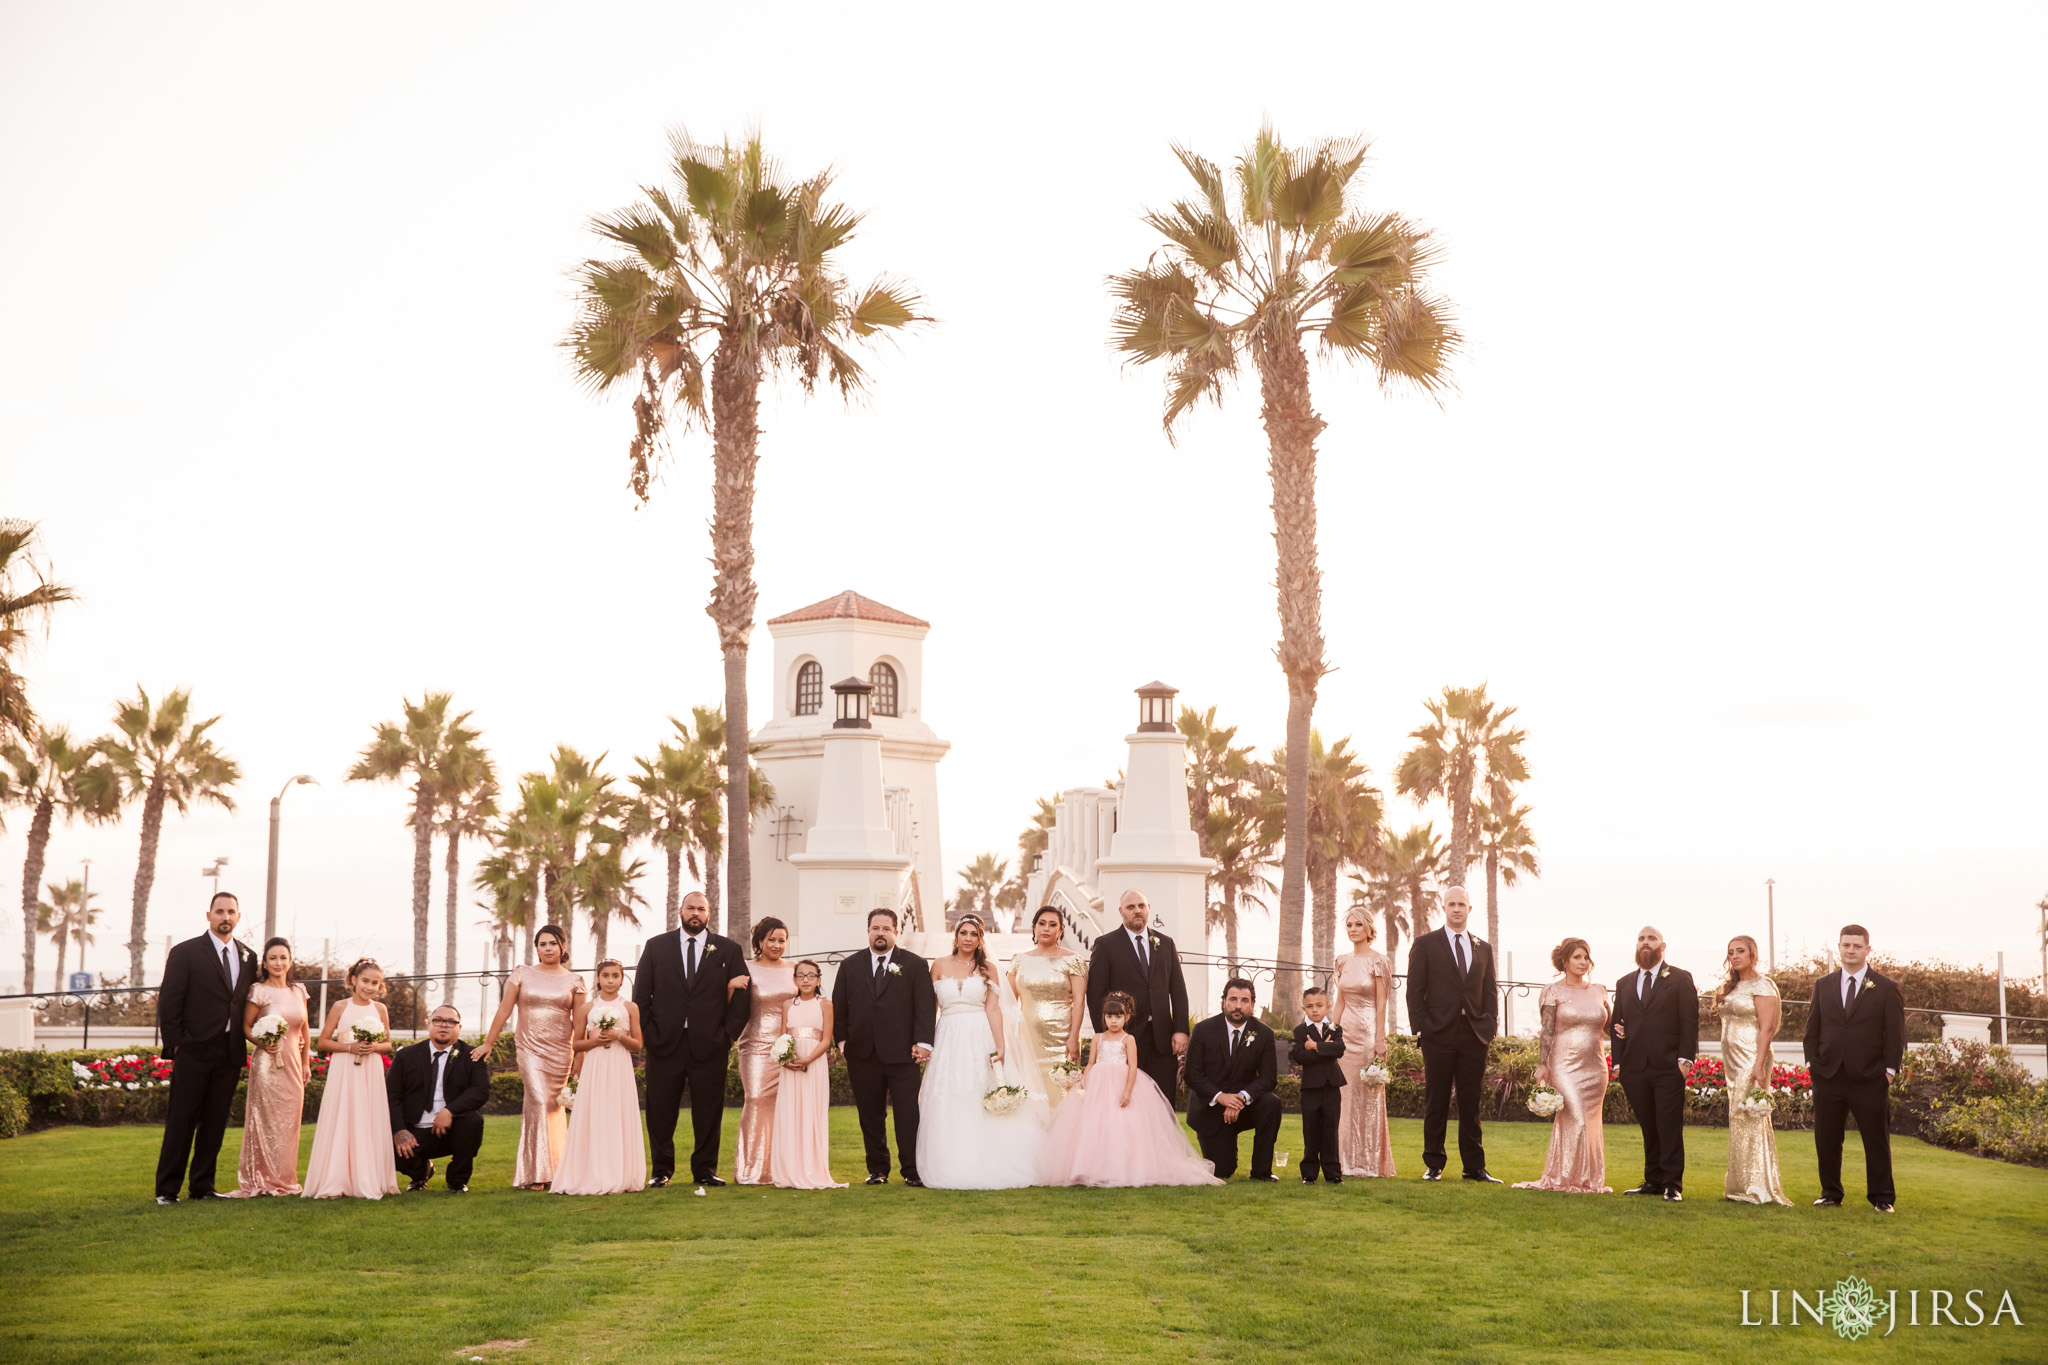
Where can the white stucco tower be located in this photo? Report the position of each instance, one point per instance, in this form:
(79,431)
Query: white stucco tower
(856,811)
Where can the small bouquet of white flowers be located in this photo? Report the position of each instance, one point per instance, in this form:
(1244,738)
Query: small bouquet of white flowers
(1756,1104)
(606,1016)
(1545,1102)
(366,1031)
(566,1097)
(1002,1097)
(1067,1075)
(785,1051)
(268,1030)
(1375,1075)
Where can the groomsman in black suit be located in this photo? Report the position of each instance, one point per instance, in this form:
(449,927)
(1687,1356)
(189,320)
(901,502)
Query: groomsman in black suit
(1318,1047)
(884,1013)
(436,1095)
(1855,1044)
(1230,1084)
(199,1012)
(689,1015)
(1454,1008)
(1655,1034)
(1143,963)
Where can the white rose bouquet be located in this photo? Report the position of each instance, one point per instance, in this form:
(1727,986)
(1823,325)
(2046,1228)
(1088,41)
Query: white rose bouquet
(785,1051)
(1001,1098)
(607,1016)
(1375,1075)
(367,1031)
(565,1098)
(268,1030)
(1755,1104)
(1545,1102)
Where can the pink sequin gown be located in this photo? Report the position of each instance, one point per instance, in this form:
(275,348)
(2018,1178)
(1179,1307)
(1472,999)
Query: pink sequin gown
(547,1015)
(760,1075)
(605,1152)
(800,1151)
(1364,1147)
(1096,1140)
(1576,1020)
(352,1155)
(277,1098)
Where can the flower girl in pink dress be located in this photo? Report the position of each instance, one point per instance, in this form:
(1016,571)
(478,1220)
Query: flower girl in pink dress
(605,1153)
(800,1149)
(352,1153)
(1119,1131)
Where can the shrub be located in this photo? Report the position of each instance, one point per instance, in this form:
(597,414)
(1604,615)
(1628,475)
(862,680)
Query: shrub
(13,1111)
(2008,1127)
(508,1093)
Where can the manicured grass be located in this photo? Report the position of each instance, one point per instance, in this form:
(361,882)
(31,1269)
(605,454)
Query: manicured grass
(1398,1269)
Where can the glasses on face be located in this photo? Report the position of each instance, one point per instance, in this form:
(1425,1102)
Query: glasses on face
(451,1023)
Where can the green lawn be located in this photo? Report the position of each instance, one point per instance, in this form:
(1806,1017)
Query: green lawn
(1397,1269)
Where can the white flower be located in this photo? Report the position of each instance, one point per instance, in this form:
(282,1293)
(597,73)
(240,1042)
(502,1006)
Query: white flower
(606,1018)
(699,1190)
(133,1086)
(785,1050)
(1545,1102)
(1375,1075)
(893,970)
(268,1029)
(80,1073)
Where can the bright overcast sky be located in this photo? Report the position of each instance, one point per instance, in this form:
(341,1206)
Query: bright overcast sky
(1738,497)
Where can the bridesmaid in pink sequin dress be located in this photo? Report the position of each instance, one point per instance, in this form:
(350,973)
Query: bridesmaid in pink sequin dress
(605,1152)
(1575,1014)
(277,1081)
(800,1152)
(547,996)
(352,1153)
(760,1075)
(1359,985)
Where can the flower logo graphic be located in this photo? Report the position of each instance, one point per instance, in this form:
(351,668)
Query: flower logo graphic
(1854,1308)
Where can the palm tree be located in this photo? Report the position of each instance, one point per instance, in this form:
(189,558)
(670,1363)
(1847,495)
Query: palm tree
(53,778)
(1379,893)
(510,875)
(28,598)
(606,885)
(1466,731)
(1344,815)
(563,810)
(1216,767)
(1414,859)
(1243,830)
(161,756)
(732,269)
(469,801)
(419,748)
(67,916)
(1037,836)
(706,730)
(1257,267)
(980,881)
(1511,853)
(677,795)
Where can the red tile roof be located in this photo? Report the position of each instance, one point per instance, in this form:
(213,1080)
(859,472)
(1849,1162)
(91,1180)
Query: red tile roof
(848,605)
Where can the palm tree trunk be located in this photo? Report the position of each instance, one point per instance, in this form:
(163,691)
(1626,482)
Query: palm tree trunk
(1322,886)
(1418,908)
(31,883)
(713,898)
(1391,918)
(1493,899)
(1291,430)
(675,887)
(600,929)
(145,878)
(735,437)
(561,913)
(1461,824)
(422,875)
(1230,934)
(454,889)
(60,939)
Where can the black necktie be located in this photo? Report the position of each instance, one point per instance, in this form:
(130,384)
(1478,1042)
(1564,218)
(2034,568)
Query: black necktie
(1458,946)
(227,969)
(1850,1002)
(439,1058)
(690,963)
(1234,1035)
(1144,955)
(881,973)
(1643,987)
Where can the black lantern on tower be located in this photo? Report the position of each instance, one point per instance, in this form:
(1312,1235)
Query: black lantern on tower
(850,700)
(1155,709)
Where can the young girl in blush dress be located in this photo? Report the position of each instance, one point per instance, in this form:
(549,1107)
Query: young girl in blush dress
(800,1149)
(352,1155)
(605,1153)
(1119,1131)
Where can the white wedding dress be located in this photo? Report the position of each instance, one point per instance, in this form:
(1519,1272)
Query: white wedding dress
(960,1145)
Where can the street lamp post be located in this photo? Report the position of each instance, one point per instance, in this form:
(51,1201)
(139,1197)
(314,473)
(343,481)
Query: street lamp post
(270,877)
(84,905)
(1771,921)
(214,872)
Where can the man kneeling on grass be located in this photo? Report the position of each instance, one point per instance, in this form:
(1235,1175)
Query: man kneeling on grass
(437,1096)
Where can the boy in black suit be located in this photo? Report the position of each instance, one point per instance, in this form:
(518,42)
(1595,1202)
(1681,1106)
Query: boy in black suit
(1855,1043)
(1318,1044)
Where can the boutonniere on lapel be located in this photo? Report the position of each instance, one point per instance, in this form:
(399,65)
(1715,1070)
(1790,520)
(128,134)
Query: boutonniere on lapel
(1663,973)
(891,969)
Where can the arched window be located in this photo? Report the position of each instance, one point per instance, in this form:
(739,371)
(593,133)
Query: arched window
(810,689)
(883,679)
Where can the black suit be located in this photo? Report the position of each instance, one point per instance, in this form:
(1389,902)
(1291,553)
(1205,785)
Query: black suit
(1849,1051)
(1659,1037)
(1455,1016)
(409,1093)
(1321,1079)
(1161,994)
(689,1023)
(877,1020)
(200,1016)
(1214,1069)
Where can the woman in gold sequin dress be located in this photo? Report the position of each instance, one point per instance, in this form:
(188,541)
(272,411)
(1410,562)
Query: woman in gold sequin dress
(1359,984)
(1575,1012)
(1750,1010)
(760,1073)
(1050,982)
(547,996)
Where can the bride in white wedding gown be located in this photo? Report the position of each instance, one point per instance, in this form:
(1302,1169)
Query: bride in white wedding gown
(960,1145)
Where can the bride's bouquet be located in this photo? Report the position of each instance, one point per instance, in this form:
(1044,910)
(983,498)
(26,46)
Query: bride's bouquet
(565,1098)
(367,1031)
(268,1030)
(1375,1075)
(1545,1102)
(1001,1098)
(785,1050)
(1067,1075)
(1757,1103)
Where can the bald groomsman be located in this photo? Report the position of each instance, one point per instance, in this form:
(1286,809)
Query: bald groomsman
(1655,1034)
(1454,1008)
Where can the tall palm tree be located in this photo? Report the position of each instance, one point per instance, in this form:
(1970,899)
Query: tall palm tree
(1216,767)
(731,268)
(418,748)
(563,810)
(980,881)
(1466,732)
(53,778)
(1243,831)
(1344,815)
(676,795)
(28,598)
(469,802)
(1414,859)
(161,757)
(607,886)
(1379,893)
(1511,853)
(68,916)
(1258,265)
(706,730)
(510,876)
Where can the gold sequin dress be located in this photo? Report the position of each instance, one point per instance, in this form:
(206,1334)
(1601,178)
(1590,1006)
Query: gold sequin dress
(1364,1147)
(1752,1145)
(760,1074)
(1045,988)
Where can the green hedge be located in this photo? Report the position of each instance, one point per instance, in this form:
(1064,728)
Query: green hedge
(13,1111)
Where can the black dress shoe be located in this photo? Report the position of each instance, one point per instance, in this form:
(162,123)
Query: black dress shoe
(913,1182)
(416,1186)
(210,1194)
(1484,1178)
(1308,1180)
(878,1180)
(1645,1188)
(167,1199)
(1333,1179)
(659,1182)
(1883,1208)
(458,1189)
(711,1182)
(1826,1203)
(1674,1195)
(1432,1175)
(1264,1179)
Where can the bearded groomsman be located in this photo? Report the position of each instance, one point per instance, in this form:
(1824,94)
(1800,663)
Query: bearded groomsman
(1655,1033)
(1855,1043)
(199,1011)
(1454,1008)
(884,1016)
(694,994)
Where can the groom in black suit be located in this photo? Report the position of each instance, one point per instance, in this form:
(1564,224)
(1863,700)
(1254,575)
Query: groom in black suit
(1454,1008)
(199,1010)
(1231,1070)
(1855,1044)
(884,1015)
(1655,1033)
(436,1096)
(689,1015)
(1143,963)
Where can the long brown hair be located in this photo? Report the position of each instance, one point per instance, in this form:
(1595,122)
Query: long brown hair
(980,958)
(1734,976)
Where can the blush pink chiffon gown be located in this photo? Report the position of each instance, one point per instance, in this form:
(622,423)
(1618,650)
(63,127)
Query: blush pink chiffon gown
(277,1098)
(800,1149)
(605,1152)
(352,1154)
(1097,1141)
(1575,1020)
